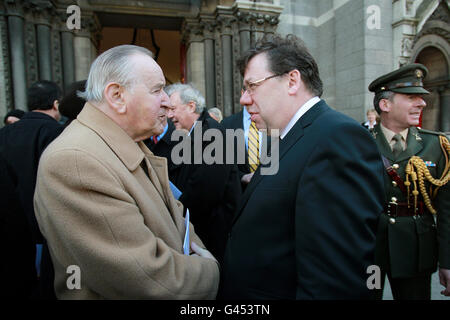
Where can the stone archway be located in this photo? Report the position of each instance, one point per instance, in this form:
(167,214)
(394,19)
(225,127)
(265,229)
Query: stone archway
(438,83)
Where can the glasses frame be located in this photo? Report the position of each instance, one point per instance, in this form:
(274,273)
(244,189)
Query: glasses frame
(251,86)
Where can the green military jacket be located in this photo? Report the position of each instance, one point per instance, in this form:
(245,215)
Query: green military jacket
(412,246)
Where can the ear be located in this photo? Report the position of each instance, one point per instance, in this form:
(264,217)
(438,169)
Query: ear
(115,97)
(191,106)
(55,105)
(295,81)
(385,105)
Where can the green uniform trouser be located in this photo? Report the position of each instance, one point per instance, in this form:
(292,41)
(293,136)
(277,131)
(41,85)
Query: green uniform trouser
(417,288)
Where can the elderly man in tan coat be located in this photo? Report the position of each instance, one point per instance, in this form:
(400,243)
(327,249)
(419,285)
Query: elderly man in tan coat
(103,200)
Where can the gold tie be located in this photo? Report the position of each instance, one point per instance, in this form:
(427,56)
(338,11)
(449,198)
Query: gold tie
(253,147)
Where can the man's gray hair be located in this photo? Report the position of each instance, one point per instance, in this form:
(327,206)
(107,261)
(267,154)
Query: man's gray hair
(113,65)
(379,96)
(187,93)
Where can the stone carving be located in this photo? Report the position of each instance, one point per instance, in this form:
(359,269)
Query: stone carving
(406,47)
(5,62)
(56,58)
(409,6)
(31,60)
(438,24)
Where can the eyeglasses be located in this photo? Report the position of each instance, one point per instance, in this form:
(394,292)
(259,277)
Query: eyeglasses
(251,86)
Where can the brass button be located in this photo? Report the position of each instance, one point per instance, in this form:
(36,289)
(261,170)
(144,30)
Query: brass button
(395,166)
(391,220)
(394,184)
(394,199)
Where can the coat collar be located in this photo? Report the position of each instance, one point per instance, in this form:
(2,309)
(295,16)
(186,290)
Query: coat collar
(414,144)
(127,150)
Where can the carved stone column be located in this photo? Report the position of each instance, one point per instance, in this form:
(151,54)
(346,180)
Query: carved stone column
(244,24)
(85,45)
(445,109)
(209,25)
(225,20)
(41,13)
(15,17)
(68,57)
(195,53)
(5,72)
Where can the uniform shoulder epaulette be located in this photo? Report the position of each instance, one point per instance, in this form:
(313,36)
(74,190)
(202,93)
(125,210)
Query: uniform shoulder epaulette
(437,133)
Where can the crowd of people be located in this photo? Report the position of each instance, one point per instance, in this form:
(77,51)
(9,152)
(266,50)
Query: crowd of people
(106,194)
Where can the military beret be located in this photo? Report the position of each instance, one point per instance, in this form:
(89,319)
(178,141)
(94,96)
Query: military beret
(407,79)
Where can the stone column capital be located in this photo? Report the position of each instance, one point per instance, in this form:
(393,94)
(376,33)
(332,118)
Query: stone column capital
(192,30)
(209,25)
(41,11)
(14,8)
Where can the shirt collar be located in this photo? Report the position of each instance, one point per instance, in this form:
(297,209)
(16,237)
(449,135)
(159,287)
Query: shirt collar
(300,112)
(389,134)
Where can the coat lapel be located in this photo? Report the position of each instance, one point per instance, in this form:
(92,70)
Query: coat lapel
(413,145)
(285,144)
(382,143)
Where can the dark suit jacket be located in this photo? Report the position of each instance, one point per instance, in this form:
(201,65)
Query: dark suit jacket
(235,121)
(164,148)
(21,145)
(211,192)
(308,232)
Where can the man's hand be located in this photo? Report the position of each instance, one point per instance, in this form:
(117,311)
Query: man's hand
(246,178)
(201,252)
(444,277)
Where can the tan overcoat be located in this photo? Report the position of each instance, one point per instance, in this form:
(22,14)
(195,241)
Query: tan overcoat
(100,212)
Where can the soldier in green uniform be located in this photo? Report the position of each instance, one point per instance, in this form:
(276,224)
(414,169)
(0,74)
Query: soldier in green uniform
(414,230)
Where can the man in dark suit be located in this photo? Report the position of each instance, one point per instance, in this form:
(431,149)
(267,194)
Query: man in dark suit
(162,145)
(21,145)
(242,121)
(414,229)
(308,231)
(211,192)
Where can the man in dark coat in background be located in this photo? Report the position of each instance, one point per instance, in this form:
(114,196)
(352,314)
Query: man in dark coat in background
(21,145)
(211,192)
(162,145)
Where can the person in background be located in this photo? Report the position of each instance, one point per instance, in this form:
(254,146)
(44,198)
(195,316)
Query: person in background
(72,104)
(372,117)
(211,192)
(21,146)
(103,200)
(414,230)
(216,114)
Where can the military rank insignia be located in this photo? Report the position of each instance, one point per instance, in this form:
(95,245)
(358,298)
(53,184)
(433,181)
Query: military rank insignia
(430,164)
(419,73)
(418,138)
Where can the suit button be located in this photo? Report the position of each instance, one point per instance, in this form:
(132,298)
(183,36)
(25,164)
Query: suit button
(394,184)
(391,220)
(395,166)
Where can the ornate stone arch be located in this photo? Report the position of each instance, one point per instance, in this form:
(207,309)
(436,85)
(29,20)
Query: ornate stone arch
(434,40)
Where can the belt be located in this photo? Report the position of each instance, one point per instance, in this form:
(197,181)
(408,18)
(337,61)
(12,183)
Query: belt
(401,209)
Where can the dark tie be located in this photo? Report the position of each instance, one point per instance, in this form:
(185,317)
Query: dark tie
(397,148)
